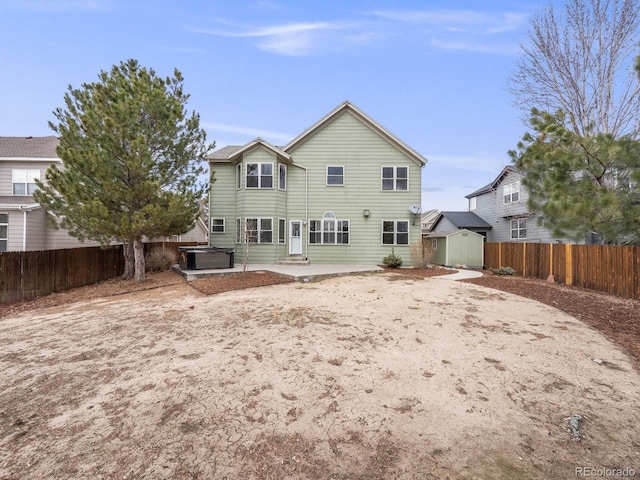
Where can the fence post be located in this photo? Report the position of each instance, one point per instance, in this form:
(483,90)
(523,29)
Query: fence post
(524,259)
(551,259)
(568,258)
(499,254)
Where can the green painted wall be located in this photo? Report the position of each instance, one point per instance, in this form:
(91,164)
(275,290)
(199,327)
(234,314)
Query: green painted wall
(345,142)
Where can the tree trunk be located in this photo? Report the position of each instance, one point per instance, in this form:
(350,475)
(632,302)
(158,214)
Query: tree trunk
(138,249)
(129,261)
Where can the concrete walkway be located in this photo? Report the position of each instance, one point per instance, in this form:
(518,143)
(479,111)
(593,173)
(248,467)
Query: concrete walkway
(310,272)
(461,274)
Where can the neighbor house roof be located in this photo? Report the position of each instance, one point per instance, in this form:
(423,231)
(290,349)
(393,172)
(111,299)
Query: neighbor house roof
(347,106)
(450,233)
(493,185)
(29,147)
(462,220)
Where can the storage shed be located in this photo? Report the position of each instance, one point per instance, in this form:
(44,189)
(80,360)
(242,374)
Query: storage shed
(458,247)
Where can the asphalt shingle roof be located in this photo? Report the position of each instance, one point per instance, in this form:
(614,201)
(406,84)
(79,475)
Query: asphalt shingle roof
(465,220)
(28,147)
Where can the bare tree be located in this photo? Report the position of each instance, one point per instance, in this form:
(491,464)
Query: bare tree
(581,61)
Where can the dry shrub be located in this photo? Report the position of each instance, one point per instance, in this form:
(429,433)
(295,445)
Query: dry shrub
(159,260)
(422,254)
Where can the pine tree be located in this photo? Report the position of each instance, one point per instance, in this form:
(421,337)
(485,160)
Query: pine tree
(132,157)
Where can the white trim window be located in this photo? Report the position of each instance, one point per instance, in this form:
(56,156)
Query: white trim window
(282,177)
(4,231)
(259,175)
(217,225)
(511,192)
(24,181)
(259,230)
(238,230)
(282,231)
(473,203)
(335,176)
(238,176)
(518,228)
(395,232)
(329,230)
(395,179)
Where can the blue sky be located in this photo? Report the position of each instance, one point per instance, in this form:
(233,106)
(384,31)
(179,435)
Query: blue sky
(433,73)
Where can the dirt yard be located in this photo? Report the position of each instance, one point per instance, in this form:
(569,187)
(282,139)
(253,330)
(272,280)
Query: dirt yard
(381,376)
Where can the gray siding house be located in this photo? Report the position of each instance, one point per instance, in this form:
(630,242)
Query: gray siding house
(503,205)
(341,192)
(24,225)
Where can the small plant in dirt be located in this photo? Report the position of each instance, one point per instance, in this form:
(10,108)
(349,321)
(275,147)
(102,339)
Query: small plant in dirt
(503,271)
(159,260)
(392,260)
(422,254)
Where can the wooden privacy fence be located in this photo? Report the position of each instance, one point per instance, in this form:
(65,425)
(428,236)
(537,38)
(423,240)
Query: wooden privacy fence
(26,275)
(605,268)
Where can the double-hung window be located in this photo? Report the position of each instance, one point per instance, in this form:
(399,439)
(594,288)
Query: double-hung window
(239,176)
(511,192)
(259,230)
(259,175)
(329,230)
(395,232)
(24,181)
(282,231)
(335,176)
(518,228)
(4,231)
(395,178)
(217,225)
(282,177)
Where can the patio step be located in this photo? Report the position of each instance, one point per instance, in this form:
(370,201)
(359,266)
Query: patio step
(293,260)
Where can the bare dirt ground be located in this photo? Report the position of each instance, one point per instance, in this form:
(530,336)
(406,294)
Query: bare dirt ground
(359,377)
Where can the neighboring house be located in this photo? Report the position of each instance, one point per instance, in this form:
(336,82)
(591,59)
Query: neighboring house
(345,191)
(447,222)
(24,225)
(503,205)
(427,220)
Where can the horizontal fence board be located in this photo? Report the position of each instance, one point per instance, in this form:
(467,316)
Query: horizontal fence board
(611,269)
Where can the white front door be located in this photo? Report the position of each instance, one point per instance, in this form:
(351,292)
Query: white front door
(295,237)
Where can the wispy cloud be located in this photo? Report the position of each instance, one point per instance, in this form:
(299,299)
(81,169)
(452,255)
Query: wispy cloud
(249,133)
(292,39)
(55,5)
(469,21)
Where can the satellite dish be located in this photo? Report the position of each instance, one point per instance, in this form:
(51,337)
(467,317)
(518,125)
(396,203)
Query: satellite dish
(415,209)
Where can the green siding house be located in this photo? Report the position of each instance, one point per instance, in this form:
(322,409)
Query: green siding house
(345,191)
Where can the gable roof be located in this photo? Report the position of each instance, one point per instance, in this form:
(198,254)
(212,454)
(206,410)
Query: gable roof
(493,185)
(347,106)
(462,220)
(29,147)
(451,233)
(232,153)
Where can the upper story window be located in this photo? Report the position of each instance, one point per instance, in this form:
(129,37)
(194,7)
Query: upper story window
(335,176)
(395,178)
(511,192)
(259,175)
(239,176)
(472,204)
(4,231)
(24,181)
(282,177)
